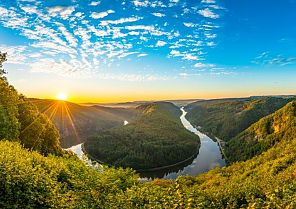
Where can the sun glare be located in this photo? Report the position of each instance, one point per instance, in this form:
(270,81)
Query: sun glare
(62,96)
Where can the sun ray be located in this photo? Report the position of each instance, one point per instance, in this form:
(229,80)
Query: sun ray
(72,123)
(52,104)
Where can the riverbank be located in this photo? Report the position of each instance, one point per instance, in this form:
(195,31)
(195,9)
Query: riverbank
(209,155)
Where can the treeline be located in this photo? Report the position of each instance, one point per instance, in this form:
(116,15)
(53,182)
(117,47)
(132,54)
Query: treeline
(227,118)
(264,134)
(237,121)
(21,121)
(155,139)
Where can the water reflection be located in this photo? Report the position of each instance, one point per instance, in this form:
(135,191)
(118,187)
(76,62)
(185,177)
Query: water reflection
(209,157)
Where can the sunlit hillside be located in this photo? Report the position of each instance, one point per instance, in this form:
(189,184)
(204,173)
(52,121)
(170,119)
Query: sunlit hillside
(77,122)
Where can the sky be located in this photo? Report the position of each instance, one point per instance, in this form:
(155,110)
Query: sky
(115,51)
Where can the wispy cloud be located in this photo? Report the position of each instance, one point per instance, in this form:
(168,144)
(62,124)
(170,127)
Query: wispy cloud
(208,13)
(266,58)
(71,40)
(99,15)
(157,14)
(63,12)
(161,43)
(94,3)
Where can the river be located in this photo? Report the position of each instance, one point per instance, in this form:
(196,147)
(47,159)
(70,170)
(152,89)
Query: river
(209,156)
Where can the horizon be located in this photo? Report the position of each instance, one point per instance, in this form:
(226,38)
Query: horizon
(165,100)
(94,51)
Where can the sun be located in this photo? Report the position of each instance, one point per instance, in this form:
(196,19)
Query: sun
(62,96)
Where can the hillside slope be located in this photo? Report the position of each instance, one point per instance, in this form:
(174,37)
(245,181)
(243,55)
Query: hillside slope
(264,134)
(21,121)
(76,122)
(265,181)
(226,118)
(156,138)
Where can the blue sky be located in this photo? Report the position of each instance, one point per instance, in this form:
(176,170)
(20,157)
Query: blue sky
(139,49)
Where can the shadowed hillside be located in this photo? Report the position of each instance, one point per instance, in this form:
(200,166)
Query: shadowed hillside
(76,122)
(225,118)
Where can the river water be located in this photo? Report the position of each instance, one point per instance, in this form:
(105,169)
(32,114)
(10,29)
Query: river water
(209,156)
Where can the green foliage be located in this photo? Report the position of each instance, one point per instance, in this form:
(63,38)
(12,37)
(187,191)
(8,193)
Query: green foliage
(37,131)
(227,118)
(264,134)
(30,180)
(155,139)
(21,120)
(2,60)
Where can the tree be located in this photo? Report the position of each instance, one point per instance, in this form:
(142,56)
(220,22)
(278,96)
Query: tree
(9,125)
(3,58)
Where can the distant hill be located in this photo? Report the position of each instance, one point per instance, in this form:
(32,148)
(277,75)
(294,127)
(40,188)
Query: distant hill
(156,138)
(181,102)
(264,134)
(225,118)
(76,122)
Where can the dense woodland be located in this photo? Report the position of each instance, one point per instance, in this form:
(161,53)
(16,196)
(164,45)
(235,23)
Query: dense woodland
(32,178)
(226,118)
(264,134)
(156,138)
(229,118)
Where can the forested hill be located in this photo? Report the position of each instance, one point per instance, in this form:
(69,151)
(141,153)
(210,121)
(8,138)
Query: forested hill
(226,118)
(77,122)
(34,181)
(155,139)
(21,121)
(270,130)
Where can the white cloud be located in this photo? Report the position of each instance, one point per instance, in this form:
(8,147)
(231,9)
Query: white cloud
(208,1)
(63,12)
(78,14)
(203,65)
(140,27)
(125,54)
(189,24)
(15,54)
(175,53)
(142,55)
(30,10)
(211,43)
(157,14)
(91,43)
(100,15)
(120,21)
(139,3)
(190,57)
(161,43)
(208,13)
(94,3)
(69,37)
